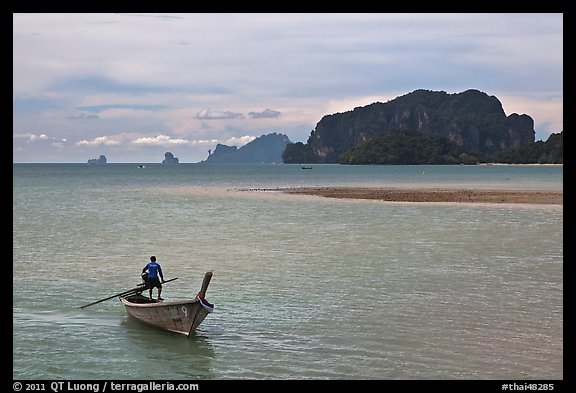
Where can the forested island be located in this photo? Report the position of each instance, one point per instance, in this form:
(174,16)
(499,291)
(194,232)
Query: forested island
(427,127)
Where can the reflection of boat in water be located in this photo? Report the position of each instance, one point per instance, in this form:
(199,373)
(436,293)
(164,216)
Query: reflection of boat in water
(180,316)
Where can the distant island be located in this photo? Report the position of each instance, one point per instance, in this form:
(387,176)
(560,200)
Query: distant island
(97,161)
(169,159)
(264,149)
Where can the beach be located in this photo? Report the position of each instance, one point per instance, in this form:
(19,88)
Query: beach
(432,195)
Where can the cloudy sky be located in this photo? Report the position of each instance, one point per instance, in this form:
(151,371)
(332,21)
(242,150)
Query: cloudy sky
(134,86)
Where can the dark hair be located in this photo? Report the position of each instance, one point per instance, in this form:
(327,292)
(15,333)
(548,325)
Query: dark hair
(153,258)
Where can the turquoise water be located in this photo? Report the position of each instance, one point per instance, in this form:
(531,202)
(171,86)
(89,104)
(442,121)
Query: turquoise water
(304,287)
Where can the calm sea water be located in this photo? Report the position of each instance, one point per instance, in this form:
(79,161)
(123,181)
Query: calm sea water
(304,287)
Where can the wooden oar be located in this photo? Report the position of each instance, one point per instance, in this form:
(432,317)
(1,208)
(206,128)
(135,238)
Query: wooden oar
(132,291)
(129,292)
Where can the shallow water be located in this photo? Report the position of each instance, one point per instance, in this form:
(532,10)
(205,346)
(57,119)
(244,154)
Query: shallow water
(304,287)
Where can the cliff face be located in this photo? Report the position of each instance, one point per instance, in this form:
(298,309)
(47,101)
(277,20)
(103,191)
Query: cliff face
(471,119)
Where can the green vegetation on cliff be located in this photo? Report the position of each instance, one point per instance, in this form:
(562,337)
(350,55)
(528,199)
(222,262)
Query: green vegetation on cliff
(405,147)
(299,153)
(549,152)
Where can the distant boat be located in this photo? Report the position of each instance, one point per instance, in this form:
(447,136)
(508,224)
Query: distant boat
(141,166)
(180,316)
(306,167)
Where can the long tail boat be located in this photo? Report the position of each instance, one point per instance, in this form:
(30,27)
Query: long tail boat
(178,316)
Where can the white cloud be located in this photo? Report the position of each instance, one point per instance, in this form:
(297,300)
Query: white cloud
(41,137)
(31,138)
(160,140)
(204,142)
(266,113)
(208,114)
(241,141)
(101,140)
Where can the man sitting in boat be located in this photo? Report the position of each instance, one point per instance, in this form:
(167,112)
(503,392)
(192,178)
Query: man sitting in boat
(154,276)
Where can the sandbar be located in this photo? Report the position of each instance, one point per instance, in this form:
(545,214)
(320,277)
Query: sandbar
(431,194)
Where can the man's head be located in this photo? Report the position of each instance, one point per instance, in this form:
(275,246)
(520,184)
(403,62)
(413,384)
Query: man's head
(153,258)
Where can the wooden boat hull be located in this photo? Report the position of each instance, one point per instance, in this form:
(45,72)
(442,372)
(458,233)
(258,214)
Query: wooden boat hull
(180,317)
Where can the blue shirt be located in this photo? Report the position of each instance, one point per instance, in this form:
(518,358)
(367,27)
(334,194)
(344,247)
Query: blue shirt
(154,269)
